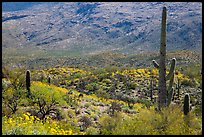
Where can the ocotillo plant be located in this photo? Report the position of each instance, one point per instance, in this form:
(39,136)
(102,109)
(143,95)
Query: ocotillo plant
(186,106)
(165,95)
(28,82)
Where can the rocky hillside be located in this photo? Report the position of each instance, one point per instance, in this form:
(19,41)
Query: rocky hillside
(127,27)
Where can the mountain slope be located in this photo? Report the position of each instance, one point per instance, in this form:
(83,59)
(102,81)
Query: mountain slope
(128,27)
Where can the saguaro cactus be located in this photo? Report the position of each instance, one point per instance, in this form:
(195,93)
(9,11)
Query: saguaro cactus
(28,82)
(162,68)
(165,95)
(186,106)
(49,79)
(169,92)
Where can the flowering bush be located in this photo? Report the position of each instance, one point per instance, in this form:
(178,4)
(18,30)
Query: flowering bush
(46,98)
(31,125)
(169,121)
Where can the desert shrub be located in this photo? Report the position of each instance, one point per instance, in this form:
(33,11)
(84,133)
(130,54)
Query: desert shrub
(107,81)
(71,100)
(169,121)
(46,98)
(15,77)
(102,93)
(11,100)
(127,109)
(87,104)
(110,68)
(132,85)
(146,102)
(70,113)
(108,123)
(115,107)
(131,101)
(92,131)
(12,89)
(92,86)
(86,122)
(189,82)
(198,110)
(25,124)
(193,71)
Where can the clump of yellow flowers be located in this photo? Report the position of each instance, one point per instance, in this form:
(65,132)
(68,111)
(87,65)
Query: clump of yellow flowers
(31,125)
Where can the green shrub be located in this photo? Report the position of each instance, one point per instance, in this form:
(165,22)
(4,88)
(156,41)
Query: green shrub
(102,93)
(92,86)
(107,81)
(87,104)
(11,100)
(25,124)
(108,124)
(189,82)
(46,98)
(170,121)
(92,131)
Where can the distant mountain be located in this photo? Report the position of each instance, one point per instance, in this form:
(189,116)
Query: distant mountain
(15,6)
(127,27)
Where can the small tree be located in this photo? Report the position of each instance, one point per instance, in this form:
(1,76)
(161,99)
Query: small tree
(46,100)
(12,89)
(11,101)
(114,107)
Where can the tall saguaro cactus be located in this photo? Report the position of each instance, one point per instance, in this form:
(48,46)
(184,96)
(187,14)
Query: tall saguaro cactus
(186,106)
(162,68)
(28,82)
(165,95)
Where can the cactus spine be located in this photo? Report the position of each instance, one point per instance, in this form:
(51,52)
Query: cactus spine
(165,95)
(186,106)
(28,82)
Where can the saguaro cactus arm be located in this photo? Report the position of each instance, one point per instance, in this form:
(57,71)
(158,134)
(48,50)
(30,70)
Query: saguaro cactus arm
(170,90)
(172,68)
(170,95)
(156,65)
(171,71)
(171,83)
